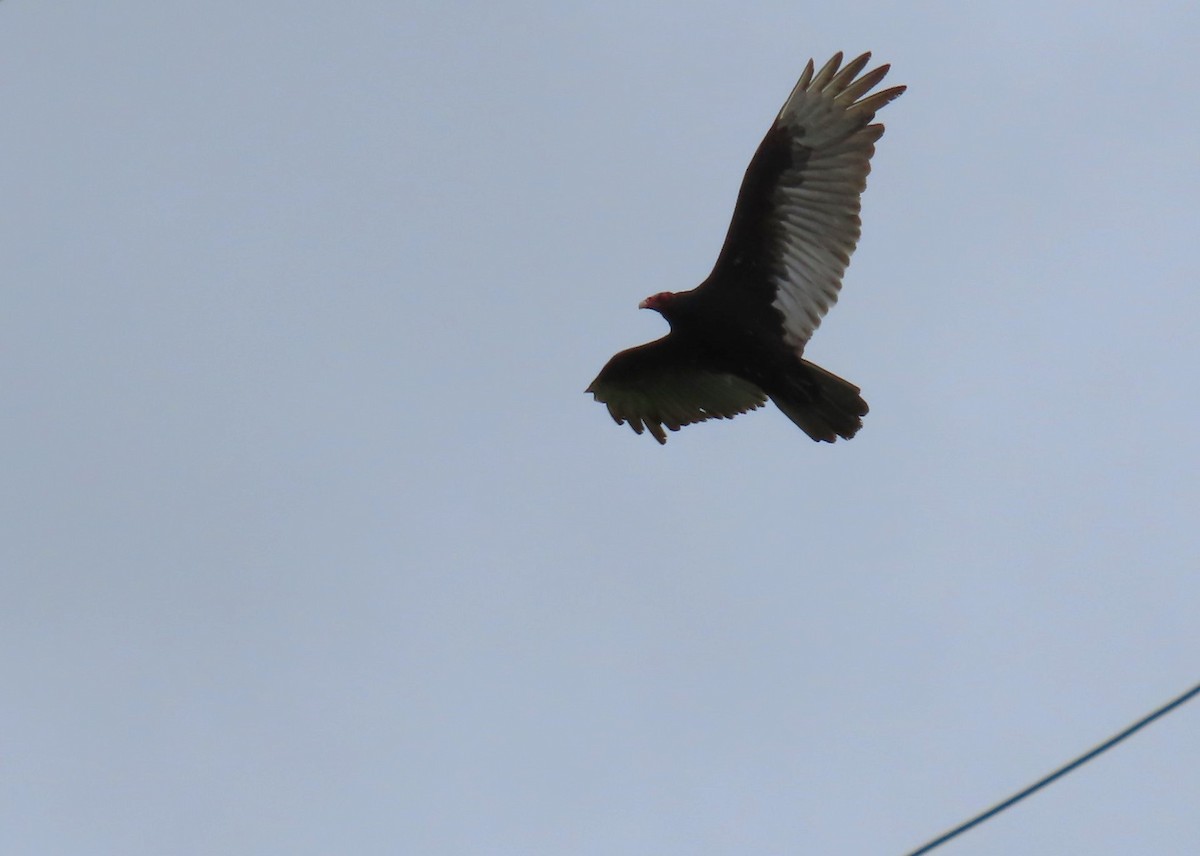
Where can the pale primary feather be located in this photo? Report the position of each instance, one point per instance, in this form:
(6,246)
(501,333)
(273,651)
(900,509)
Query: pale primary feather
(817,201)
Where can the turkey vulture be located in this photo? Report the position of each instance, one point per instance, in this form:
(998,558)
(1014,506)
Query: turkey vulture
(738,338)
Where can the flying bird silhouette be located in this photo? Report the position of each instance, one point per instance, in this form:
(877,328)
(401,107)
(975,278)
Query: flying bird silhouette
(738,338)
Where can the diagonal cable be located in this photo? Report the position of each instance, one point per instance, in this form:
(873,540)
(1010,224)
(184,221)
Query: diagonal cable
(1059,773)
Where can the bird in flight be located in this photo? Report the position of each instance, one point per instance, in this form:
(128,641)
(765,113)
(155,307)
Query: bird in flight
(738,338)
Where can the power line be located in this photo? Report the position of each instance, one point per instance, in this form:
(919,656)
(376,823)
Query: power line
(1060,772)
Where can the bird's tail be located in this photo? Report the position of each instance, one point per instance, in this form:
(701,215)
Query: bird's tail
(823,405)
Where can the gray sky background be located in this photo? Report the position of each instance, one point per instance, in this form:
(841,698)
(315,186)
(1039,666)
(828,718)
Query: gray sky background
(313,544)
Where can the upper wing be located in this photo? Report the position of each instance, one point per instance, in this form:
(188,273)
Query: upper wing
(796,219)
(653,385)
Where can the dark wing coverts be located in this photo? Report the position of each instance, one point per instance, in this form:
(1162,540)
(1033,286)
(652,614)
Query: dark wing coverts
(650,387)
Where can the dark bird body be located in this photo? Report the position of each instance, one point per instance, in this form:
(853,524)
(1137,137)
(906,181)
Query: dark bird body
(738,338)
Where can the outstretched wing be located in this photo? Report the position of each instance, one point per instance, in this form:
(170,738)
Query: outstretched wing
(654,385)
(796,219)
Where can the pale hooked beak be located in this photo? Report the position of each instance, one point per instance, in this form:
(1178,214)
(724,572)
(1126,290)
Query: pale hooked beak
(645,304)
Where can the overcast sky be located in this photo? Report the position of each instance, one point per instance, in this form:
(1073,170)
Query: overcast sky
(313,544)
